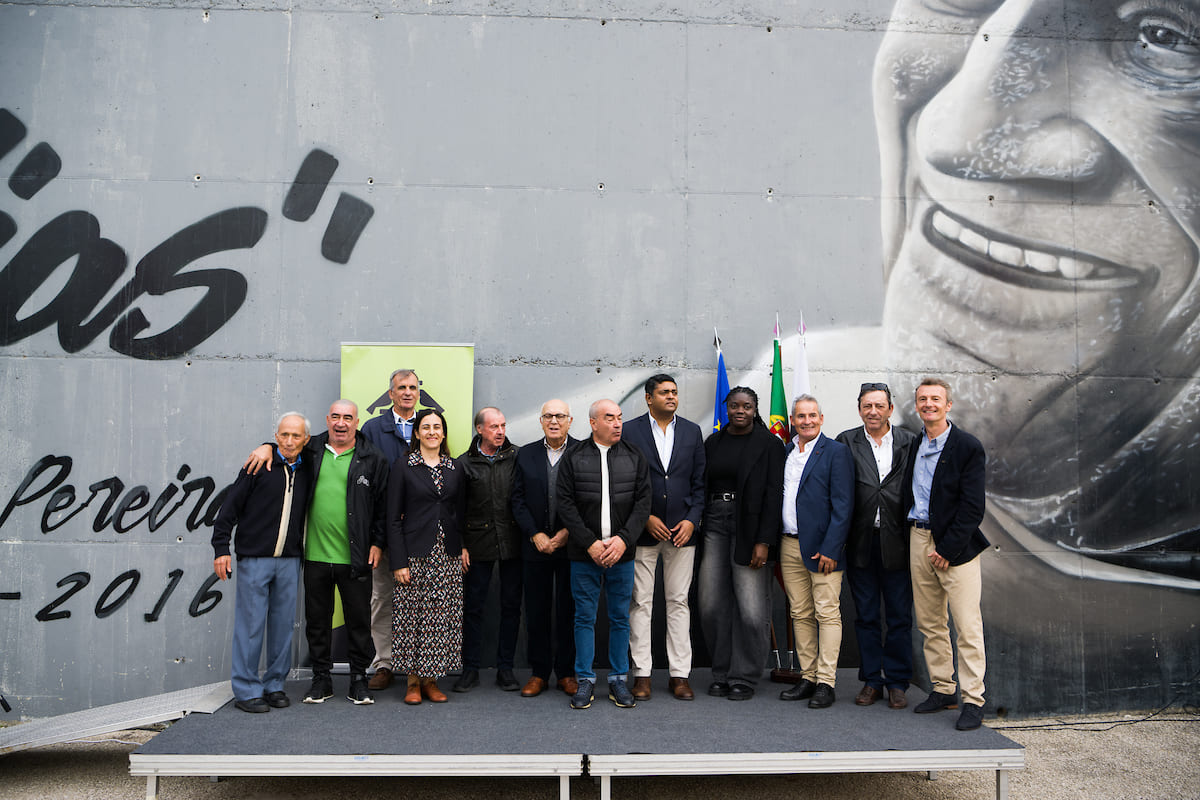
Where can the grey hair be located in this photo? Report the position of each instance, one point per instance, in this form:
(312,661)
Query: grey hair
(806,398)
(402,371)
(304,419)
(594,408)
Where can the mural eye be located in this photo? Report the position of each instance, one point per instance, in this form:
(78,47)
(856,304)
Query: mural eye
(1168,48)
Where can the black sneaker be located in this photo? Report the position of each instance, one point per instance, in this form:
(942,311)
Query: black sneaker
(255,705)
(276,699)
(619,693)
(970,718)
(359,694)
(506,680)
(583,695)
(718,689)
(321,689)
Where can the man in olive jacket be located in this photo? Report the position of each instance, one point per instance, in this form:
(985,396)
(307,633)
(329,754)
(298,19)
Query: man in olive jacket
(604,496)
(491,538)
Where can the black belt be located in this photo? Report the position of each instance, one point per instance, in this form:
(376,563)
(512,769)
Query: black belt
(722,497)
(916,523)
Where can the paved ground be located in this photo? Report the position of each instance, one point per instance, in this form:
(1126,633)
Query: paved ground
(1076,758)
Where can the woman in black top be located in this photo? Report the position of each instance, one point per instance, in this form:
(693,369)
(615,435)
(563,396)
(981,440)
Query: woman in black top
(426,506)
(744,492)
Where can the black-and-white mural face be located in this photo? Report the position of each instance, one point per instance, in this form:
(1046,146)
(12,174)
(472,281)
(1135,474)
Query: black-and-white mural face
(1041,225)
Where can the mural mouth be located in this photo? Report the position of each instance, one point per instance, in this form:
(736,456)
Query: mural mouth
(1034,266)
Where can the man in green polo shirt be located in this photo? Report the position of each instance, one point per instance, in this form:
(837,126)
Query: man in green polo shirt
(343,544)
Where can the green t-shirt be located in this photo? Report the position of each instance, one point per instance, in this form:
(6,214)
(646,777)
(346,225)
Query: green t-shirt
(328,535)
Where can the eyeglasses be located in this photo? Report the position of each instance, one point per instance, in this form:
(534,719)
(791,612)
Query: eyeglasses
(556,417)
(875,387)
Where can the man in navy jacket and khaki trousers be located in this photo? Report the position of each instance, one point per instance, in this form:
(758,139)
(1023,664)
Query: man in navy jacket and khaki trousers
(944,494)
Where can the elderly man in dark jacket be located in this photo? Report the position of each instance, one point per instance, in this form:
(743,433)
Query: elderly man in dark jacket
(492,539)
(604,495)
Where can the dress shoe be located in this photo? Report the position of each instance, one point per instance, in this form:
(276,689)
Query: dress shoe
(430,689)
(970,718)
(506,680)
(277,699)
(255,705)
(679,687)
(412,694)
(535,687)
(381,680)
(936,702)
(740,691)
(823,696)
(897,698)
(801,691)
(467,681)
(641,688)
(867,696)
(568,685)
(718,689)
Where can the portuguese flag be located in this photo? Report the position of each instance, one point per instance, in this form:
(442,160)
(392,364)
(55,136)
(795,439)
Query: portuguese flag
(779,413)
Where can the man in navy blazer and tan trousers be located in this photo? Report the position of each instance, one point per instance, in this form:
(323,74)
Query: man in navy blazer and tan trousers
(674,451)
(944,494)
(818,500)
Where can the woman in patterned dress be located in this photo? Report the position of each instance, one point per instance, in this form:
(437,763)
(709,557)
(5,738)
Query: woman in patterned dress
(426,505)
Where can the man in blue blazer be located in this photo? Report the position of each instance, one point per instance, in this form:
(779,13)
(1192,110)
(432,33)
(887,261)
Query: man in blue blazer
(818,500)
(674,451)
(944,486)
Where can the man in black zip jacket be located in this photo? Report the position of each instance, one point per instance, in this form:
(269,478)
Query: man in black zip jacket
(267,510)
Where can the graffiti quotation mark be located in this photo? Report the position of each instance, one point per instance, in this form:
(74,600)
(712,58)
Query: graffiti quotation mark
(39,166)
(350,215)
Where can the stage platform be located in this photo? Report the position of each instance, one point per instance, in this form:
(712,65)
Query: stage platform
(487,732)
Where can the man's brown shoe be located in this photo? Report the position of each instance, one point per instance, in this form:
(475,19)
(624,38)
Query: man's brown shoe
(679,687)
(569,686)
(381,680)
(897,698)
(867,696)
(535,687)
(641,688)
(412,695)
(430,689)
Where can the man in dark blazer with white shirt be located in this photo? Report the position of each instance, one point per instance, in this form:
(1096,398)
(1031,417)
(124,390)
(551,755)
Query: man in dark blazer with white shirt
(674,451)
(944,485)
(877,550)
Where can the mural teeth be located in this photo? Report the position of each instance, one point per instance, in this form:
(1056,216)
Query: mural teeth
(1075,268)
(946,226)
(1007,254)
(976,241)
(1042,262)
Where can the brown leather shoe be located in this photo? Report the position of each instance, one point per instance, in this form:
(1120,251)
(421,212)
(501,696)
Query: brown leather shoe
(430,689)
(867,696)
(641,688)
(535,687)
(897,698)
(679,687)
(569,686)
(381,680)
(412,695)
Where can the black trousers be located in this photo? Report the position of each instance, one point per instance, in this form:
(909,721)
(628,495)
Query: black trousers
(475,595)
(320,579)
(550,618)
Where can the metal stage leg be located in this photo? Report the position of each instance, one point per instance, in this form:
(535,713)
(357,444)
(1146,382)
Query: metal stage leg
(564,787)
(932,774)
(151,787)
(606,787)
(1001,784)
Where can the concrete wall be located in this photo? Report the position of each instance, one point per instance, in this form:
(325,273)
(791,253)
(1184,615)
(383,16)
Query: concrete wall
(203,201)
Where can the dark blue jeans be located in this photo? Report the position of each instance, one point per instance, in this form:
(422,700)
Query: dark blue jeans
(586,580)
